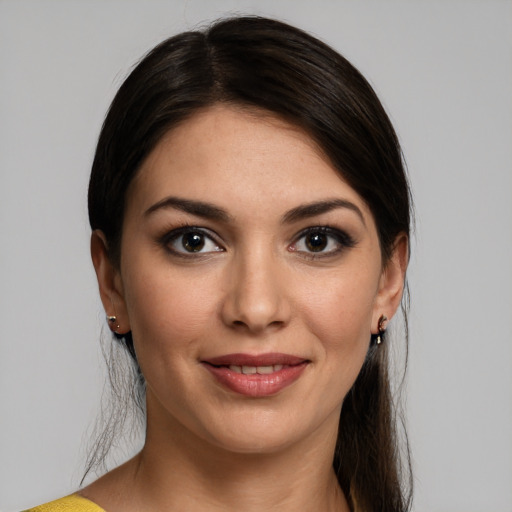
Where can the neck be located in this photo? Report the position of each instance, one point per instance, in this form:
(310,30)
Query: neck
(221,480)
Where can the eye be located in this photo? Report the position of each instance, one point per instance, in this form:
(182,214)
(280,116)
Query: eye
(188,241)
(322,241)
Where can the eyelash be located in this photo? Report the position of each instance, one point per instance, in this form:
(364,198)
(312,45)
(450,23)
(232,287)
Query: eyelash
(173,236)
(342,240)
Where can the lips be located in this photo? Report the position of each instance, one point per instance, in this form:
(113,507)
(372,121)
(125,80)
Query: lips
(259,360)
(256,376)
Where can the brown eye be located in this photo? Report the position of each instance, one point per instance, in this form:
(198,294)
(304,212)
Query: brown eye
(322,241)
(316,242)
(190,242)
(193,242)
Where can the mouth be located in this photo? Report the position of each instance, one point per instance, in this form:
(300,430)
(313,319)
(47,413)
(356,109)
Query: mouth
(252,370)
(256,376)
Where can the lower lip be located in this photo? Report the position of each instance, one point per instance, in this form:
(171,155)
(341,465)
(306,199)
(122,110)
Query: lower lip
(256,385)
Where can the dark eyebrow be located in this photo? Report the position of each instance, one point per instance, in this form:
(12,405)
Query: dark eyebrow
(210,211)
(199,208)
(319,207)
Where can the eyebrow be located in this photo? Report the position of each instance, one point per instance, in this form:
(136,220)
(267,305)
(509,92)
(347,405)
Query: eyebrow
(198,208)
(319,207)
(210,211)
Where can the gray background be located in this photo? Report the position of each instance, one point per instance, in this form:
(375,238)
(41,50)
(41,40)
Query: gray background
(444,72)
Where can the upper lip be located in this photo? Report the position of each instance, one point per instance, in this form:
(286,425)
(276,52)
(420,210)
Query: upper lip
(269,359)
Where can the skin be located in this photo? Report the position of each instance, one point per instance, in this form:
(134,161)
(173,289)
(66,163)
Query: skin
(256,287)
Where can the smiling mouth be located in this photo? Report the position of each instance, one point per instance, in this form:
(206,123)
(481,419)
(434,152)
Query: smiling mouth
(260,370)
(256,376)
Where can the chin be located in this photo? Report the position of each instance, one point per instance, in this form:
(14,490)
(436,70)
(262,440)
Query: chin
(267,433)
(251,443)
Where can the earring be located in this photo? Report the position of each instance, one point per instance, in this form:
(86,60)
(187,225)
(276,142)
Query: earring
(112,323)
(382,328)
(112,320)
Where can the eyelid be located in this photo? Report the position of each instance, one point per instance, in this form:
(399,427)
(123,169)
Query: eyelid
(173,234)
(343,239)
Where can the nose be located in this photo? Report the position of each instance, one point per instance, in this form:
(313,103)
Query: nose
(256,298)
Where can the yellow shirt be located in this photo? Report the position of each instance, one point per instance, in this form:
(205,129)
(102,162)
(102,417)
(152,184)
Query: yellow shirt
(73,503)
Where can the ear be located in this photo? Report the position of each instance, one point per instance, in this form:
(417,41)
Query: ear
(392,280)
(110,283)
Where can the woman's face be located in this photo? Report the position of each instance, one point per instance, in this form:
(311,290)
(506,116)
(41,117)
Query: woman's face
(251,278)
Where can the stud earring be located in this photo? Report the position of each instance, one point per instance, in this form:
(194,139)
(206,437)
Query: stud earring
(112,323)
(112,320)
(382,328)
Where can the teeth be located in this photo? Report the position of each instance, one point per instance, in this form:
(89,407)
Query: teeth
(251,370)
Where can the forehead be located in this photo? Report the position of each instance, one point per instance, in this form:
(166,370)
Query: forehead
(243,159)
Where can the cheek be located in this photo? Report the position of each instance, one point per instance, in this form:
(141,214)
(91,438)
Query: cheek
(340,316)
(341,305)
(167,309)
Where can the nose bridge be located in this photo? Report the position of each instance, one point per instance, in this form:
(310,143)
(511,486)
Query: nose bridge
(256,298)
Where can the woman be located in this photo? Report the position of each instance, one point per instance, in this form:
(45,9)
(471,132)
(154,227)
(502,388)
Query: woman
(250,217)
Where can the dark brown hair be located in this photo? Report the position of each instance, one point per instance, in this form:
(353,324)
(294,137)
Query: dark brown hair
(266,64)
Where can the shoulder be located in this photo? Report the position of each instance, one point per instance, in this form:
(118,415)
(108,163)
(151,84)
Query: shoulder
(73,503)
